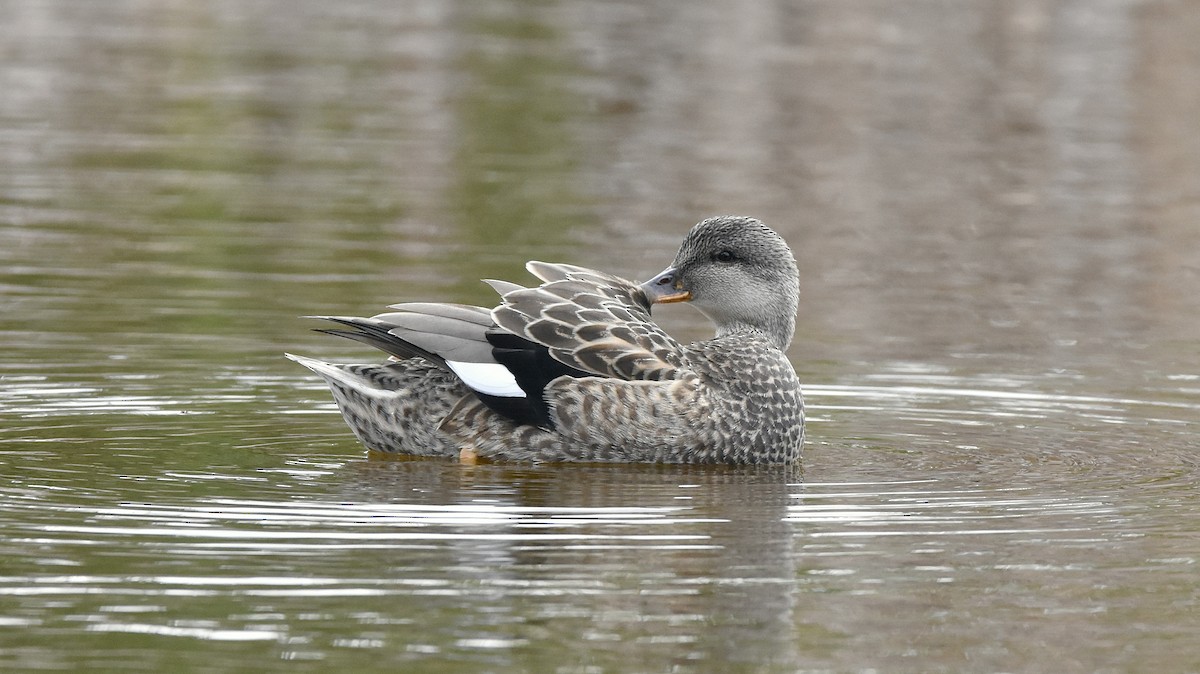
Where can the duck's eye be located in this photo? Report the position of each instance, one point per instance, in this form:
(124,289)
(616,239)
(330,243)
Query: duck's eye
(724,256)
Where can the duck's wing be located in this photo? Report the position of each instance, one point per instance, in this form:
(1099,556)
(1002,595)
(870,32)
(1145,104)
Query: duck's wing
(591,321)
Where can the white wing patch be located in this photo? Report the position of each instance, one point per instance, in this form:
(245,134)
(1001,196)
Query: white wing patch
(488,378)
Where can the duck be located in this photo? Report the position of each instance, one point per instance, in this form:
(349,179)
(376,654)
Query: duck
(575,369)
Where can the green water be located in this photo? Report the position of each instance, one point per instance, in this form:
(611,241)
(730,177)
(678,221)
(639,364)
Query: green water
(995,209)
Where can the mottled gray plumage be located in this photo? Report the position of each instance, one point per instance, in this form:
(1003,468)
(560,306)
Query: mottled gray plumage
(395,407)
(622,389)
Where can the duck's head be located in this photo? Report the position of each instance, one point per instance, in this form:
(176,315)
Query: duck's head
(739,273)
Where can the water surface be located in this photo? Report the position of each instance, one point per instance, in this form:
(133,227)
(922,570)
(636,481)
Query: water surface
(994,207)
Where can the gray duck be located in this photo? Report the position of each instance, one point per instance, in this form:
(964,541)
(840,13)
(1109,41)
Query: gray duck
(574,369)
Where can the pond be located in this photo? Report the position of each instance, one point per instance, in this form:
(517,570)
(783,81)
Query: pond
(995,207)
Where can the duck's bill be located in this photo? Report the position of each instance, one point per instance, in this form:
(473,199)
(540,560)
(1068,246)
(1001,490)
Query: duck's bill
(665,288)
(681,296)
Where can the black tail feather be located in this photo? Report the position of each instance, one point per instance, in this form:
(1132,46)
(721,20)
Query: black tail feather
(530,363)
(378,336)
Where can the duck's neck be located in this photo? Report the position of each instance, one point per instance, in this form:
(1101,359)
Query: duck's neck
(778,330)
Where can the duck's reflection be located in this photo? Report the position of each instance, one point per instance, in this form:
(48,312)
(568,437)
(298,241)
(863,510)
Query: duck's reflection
(679,563)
